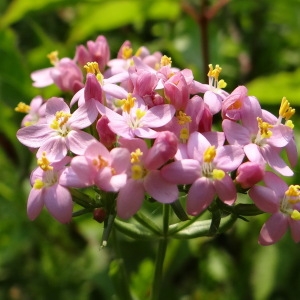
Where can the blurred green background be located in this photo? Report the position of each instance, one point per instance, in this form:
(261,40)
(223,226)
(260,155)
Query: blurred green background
(256,43)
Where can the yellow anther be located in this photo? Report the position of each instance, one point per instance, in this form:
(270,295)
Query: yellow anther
(293,191)
(53,57)
(183,118)
(135,156)
(165,61)
(285,110)
(126,52)
(295,215)
(61,118)
(38,184)
(100,162)
(44,163)
(140,113)
(221,84)
(218,174)
(137,171)
(264,128)
(209,154)
(92,67)
(214,72)
(23,108)
(127,103)
(184,135)
(290,124)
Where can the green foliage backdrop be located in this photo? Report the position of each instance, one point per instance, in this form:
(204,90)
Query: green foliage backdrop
(256,43)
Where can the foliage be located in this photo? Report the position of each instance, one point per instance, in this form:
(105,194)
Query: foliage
(255,42)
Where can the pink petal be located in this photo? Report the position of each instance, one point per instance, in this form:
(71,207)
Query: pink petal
(264,198)
(78,141)
(69,178)
(34,136)
(35,203)
(145,132)
(213,101)
(130,198)
(82,169)
(59,203)
(235,133)
(55,148)
(197,145)
(276,184)
(229,157)
(273,230)
(54,105)
(160,189)
(225,189)
(292,152)
(84,116)
(281,135)
(184,171)
(253,152)
(158,115)
(295,229)
(42,77)
(120,159)
(200,196)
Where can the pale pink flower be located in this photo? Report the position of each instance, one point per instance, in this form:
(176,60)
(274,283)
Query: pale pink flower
(144,175)
(61,132)
(136,119)
(207,170)
(282,201)
(48,191)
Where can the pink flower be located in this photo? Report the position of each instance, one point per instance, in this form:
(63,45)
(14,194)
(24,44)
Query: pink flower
(107,170)
(65,74)
(136,119)
(61,132)
(47,190)
(35,111)
(206,169)
(261,141)
(144,175)
(282,201)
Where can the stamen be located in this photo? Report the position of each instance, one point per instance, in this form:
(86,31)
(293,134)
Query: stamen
(165,61)
(218,174)
(23,108)
(264,128)
(285,110)
(209,154)
(44,163)
(184,134)
(213,77)
(140,113)
(38,184)
(126,52)
(183,118)
(61,118)
(100,162)
(53,57)
(127,103)
(135,156)
(137,171)
(295,215)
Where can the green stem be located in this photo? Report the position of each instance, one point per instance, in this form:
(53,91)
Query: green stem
(161,253)
(146,222)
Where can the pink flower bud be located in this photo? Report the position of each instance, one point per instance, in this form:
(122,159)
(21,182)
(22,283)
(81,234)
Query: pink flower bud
(92,88)
(205,123)
(106,136)
(99,215)
(176,91)
(82,55)
(249,173)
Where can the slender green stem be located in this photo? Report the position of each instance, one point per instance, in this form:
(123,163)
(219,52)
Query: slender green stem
(161,253)
(146,222)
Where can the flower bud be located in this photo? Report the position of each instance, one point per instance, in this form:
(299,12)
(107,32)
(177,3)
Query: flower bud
(249,173)
(99,214)
(106,136)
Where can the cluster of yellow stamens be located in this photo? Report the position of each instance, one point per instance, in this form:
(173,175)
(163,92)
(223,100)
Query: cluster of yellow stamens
(291,197)
(127,103)
(53,57)
(208,169)
(127,52)
(44,163)
(264,128)
(93,68)
(286,112)
(61,118)
(213,76)
(137,170)
(23,108)
(165,61)
(183,118)
(100,162)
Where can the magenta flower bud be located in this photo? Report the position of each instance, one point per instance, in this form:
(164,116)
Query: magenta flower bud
(249,173)
(99,51)
(205,123)
(106,136)
(92,88)
(82,55)
(163,149)
(99,215)
(176,91)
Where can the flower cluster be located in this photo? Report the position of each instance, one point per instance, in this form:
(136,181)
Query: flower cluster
(137,128)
